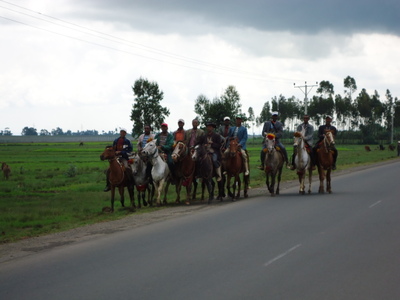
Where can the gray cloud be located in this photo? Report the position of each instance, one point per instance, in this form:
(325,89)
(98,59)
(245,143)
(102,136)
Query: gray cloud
(302,17)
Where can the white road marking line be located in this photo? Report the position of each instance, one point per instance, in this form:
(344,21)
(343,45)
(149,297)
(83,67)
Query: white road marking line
(282,255)
(375,204)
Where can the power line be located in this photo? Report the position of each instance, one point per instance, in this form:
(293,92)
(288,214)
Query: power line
(305,86)
(114,39)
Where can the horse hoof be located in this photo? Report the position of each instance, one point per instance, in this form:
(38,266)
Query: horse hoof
(187,203)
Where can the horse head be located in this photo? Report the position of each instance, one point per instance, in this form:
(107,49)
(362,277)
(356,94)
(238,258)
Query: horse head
(109,153)
(233,146)
(179,152)
(269,142)
(298,138)
(150,149)
(199,152)
(329,139)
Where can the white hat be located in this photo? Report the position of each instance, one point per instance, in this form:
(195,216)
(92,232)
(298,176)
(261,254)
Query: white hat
(181,120)
(274,113)
(328,116)
(227,118)
(123,129)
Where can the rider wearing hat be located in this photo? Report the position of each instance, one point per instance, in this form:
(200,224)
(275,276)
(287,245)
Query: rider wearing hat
(213,143)
(240,132)
(179,134)
(321,135)
(275,127)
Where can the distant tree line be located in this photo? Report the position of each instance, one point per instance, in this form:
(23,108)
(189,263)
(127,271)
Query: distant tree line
(58,132)
(364,117)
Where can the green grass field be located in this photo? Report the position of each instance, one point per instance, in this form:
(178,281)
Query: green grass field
(59,186)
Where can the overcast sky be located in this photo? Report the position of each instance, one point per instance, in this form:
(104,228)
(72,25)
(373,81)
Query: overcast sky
(72,64)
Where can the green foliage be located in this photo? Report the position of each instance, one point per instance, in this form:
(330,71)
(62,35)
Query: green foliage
(147,109)
(227,105)
(72,171)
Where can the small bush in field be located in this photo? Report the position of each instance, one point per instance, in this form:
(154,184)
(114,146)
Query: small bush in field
(72,171)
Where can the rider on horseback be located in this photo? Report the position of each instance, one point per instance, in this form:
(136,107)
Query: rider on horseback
(213,142)
(275,127)
(165,143)
(321,135)
(239,132)
(123,147)
(308,130)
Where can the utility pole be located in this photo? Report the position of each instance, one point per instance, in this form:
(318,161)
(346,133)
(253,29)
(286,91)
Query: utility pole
(305,86)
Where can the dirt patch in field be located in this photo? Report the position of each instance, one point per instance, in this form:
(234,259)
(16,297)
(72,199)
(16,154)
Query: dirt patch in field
(33,245)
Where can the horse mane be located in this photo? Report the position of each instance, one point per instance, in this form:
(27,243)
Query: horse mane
(297,134)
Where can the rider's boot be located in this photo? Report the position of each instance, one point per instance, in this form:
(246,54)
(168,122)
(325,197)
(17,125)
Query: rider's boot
(293,166)
(218,171)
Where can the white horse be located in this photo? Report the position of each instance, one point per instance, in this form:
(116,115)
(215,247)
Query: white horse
(273,164)
(159,171)
(141,179)
(302,161)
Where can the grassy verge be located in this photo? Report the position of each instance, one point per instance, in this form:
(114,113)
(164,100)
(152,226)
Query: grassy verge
(58,186)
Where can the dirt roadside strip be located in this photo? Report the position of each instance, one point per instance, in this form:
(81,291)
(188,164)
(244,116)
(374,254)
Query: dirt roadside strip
(33,245)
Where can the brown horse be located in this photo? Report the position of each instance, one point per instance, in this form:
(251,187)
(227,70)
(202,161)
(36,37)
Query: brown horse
(325,162)
(234,167)
(273,164)
(119,177)
(184,170)
(6,170)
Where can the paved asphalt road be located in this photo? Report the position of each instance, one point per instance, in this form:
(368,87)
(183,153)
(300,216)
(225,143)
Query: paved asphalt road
(344,245)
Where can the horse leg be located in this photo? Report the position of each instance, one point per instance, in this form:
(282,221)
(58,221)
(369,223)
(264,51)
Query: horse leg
(228,185)
(112,197)
(302,184)
(239,184)
(309,179)
(328,181)
(194,189)
(166,187)
(132,197)
(267,183)
(321,180)
(121,194)
(246,185)
(221,190)
(210,187)
(178,188)
(203,186)
(279,180)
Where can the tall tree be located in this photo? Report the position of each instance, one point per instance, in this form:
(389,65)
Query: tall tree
(350,84)
(147,108)
(265,114)
(227,105)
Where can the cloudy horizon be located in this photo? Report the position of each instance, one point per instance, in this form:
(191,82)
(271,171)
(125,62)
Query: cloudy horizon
(72,64)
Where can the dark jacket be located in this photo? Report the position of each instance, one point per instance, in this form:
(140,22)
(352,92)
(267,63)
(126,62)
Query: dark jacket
(126,147)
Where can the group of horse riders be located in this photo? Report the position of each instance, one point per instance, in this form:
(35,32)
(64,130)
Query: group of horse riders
(276,127)
(215,142)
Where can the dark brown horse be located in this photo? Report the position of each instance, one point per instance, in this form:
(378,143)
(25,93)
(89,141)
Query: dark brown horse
(204,171)
(325,162)
(119,177)
(273,164)
(6,170)
(234,167)
(184,170)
